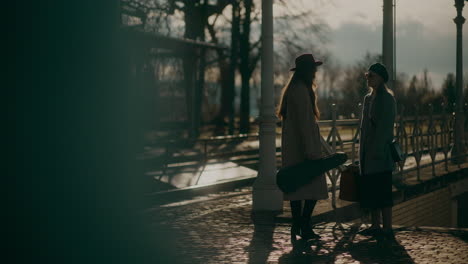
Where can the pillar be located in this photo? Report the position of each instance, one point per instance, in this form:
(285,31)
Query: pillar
(266,195)
(458,151)
(388,41)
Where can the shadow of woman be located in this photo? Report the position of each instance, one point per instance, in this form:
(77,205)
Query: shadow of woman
(380,251)
(305,252)
(369,250)
(314,251)
(343,240)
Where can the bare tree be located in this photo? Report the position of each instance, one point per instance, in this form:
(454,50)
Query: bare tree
(194,15)
(354,85)
(249,54)
(449,91)
(329,78)
(295,33)
(149,15)
(400,87)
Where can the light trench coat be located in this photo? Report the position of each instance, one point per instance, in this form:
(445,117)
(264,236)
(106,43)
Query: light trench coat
(301,140)
(378,117)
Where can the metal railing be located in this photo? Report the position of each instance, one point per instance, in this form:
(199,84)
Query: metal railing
(419,135)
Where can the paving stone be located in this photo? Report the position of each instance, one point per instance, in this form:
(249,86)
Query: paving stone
(222,231)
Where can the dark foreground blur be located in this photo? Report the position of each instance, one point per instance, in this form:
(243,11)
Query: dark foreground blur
(77,126)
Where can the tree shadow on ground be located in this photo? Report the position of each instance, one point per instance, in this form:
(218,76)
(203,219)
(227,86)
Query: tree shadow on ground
(347,245)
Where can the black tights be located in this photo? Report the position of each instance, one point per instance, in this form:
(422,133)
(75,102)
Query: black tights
(296,209)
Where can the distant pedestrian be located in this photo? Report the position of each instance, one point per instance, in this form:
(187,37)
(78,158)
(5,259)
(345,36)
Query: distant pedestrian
(376,163)
(300,140)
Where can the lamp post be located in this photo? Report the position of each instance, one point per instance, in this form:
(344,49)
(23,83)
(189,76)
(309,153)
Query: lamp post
(458,151)
(266,195)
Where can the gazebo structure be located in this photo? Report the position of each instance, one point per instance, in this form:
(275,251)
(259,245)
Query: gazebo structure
(266,195)
(172,71)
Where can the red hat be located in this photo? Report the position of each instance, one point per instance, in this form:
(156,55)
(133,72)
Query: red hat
(306,60)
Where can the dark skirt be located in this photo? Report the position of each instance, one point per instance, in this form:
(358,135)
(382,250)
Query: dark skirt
(375,190)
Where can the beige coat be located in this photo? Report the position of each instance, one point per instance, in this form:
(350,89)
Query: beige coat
(301,140)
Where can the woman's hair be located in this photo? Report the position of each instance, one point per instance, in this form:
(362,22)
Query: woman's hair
(372,90)
(300,75)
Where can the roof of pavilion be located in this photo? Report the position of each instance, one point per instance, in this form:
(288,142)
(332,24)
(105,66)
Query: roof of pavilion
(154,40)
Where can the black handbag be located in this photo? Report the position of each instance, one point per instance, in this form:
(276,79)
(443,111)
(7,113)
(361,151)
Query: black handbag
(397,153)
(290,178)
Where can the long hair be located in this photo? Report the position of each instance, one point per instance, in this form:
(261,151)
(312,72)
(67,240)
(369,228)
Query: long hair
(373,90)
(309,80)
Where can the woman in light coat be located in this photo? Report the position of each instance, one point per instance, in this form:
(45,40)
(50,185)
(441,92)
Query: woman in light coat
(301,140)
(376,163)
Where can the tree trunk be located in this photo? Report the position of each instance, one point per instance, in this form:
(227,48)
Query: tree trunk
(225,88)
(197,113)
(233,62)
(224,69)
(245,71)
(194,29)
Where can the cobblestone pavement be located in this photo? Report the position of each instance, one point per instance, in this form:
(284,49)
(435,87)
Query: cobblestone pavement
(219,228)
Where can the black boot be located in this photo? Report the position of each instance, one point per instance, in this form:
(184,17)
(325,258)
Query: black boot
(295,230)
(296,219)
(306,230)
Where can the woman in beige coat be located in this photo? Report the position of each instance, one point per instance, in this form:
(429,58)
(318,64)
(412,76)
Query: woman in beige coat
(301,140)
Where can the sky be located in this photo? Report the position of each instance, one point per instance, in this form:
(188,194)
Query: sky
(426,33)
